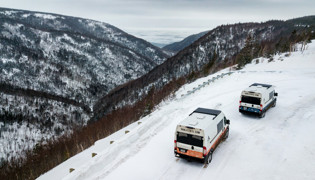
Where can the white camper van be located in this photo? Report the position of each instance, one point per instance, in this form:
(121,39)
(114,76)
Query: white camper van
(257,99)
(199,134)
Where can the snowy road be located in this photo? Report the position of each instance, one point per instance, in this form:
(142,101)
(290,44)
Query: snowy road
(279,146)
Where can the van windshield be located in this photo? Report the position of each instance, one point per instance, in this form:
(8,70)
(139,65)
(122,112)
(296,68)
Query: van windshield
(251,100)
(190,139)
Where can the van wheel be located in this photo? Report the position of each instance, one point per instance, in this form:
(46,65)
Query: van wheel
(274,104)
(209,158)
(262,114)
(227,134)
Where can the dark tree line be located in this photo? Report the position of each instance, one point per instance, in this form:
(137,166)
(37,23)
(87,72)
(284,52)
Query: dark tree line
(9,89)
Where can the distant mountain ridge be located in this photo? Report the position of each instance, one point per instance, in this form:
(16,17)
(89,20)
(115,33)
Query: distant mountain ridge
(177,46)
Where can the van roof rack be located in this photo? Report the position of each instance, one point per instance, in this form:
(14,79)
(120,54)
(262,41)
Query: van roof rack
(207,111)
(263,85)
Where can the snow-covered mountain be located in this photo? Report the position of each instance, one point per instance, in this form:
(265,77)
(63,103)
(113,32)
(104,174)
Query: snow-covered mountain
(53,68)
(278,146)
(68,56)
(177,46)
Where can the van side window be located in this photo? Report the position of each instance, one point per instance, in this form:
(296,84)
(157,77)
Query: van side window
(220,126)
(271,94)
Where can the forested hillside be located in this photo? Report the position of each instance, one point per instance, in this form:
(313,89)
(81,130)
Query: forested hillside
(53,68)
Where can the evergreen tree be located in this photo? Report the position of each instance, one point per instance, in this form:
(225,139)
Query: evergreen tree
(249,52)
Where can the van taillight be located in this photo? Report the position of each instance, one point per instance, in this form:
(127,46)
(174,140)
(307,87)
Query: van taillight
(175,146)
(204,151)
(261,107)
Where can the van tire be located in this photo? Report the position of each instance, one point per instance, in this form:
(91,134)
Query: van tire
(262,115)
(227,133)
(209,158)
(274,104)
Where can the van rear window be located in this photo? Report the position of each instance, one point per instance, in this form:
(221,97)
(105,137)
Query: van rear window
(190,139)
(251,100)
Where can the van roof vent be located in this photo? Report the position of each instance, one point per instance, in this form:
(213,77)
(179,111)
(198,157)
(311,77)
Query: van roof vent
(193,123)
(200,116)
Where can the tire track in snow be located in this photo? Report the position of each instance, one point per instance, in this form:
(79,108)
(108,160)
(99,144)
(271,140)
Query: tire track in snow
(144,138)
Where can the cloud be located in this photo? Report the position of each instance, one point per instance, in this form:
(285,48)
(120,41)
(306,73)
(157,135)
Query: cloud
(183,16)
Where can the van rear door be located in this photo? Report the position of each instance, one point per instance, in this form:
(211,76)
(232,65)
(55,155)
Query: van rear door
(189,144)
(251,100)
(250,103)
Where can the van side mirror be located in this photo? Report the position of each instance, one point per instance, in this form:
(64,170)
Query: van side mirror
(227,121)
(276,94)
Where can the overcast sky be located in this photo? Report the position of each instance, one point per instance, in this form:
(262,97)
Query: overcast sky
(165,21)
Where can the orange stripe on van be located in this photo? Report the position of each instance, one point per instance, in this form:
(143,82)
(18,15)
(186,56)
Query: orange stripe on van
(217,142)
(191,153)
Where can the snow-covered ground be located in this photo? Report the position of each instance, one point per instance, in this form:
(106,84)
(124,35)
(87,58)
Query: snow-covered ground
(279,146)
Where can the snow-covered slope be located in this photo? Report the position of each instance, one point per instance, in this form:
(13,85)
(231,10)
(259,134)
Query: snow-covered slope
(73,57)
(70,58)
(279,146)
